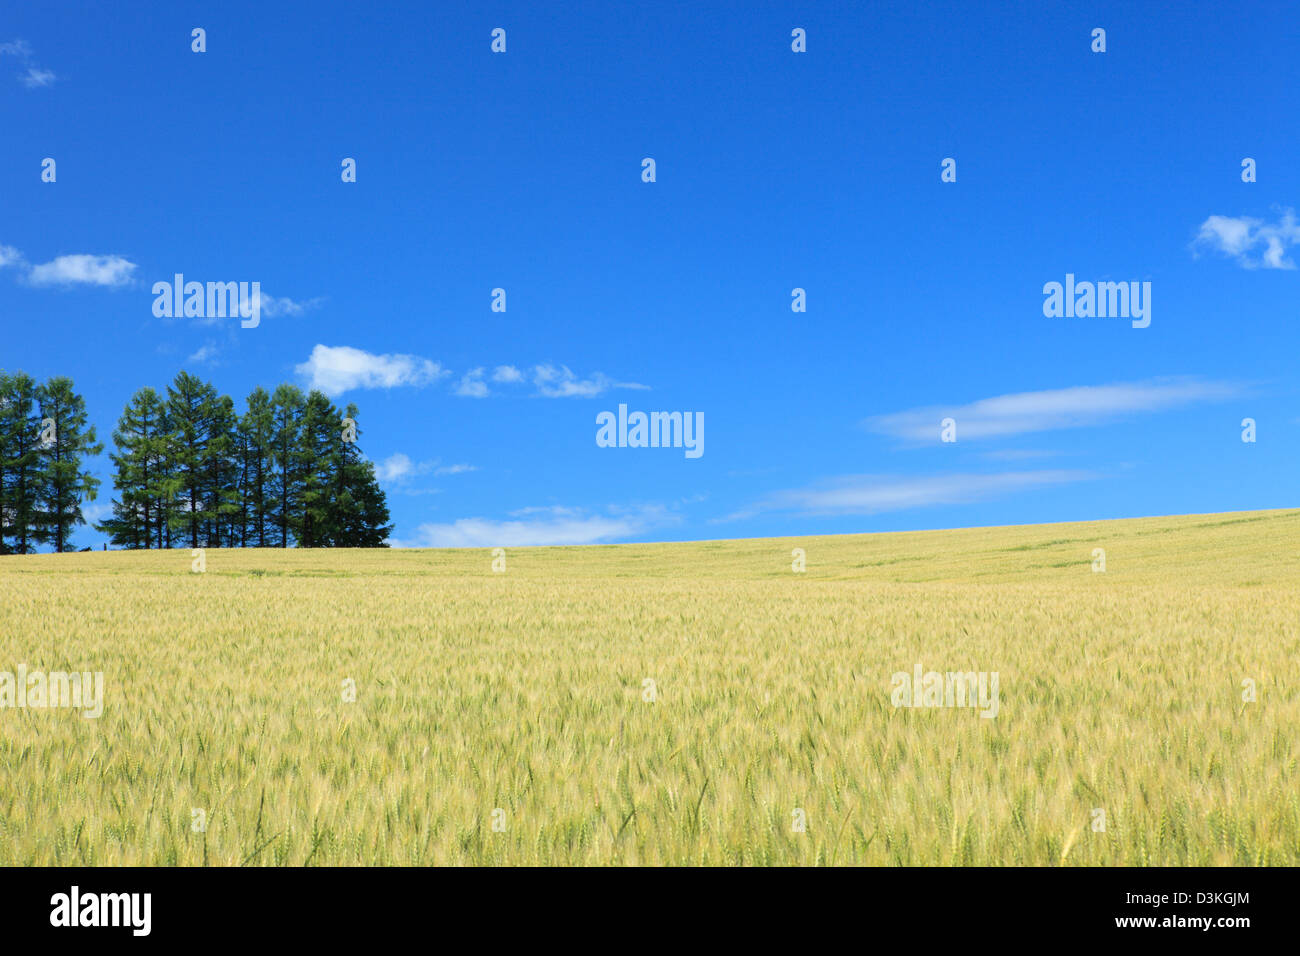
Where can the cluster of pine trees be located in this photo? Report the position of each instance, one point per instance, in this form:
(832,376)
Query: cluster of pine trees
(192,472)
(43,439)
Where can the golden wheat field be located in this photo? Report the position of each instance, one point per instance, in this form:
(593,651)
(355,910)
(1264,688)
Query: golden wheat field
(502,717)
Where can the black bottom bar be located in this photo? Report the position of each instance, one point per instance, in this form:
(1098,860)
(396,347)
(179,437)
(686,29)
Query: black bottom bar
(341,906)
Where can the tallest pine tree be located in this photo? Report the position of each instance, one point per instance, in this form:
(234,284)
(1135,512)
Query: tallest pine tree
(191,408)
(139,438)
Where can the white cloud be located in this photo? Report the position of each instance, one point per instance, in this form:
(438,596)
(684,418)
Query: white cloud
(1024,412)
(537,527)
(873,494)
(337,369)
(80,269)
(560,382)
(399,467)
(395,468)
(482,533)
(95,512)
(83,270)
(1241,236)
(472,385)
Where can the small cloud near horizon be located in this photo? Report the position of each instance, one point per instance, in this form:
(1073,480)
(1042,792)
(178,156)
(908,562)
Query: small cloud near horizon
(1024,412)
(876,494)
(539,527)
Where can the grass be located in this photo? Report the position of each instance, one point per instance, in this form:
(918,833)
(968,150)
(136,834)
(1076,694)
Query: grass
(522,692)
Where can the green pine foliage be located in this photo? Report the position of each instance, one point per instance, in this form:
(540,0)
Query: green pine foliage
(62,483)
(20,465)
(188,470)
(192,471)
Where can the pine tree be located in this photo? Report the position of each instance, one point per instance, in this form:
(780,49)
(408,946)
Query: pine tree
(360,507)
(222,499)
(373,528)
(191,407)
(62,485)
(345,507)
(137,513)
(257,432)
(287,406)
(165,481)
(19,464)
(243,466)
(318,456)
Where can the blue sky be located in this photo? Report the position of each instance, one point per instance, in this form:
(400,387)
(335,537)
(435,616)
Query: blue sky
(775,170)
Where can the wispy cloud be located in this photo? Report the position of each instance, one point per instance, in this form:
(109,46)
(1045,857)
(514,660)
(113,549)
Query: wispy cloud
(399,467)
(1024,412)
(549,381)
(338,369)
(32,76)
(874,494)
(1018,454)
(36,77)
(275,306)
(204,354)
(1254,243)
(559,382)
(535,527)
(268,306)
(83,270)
